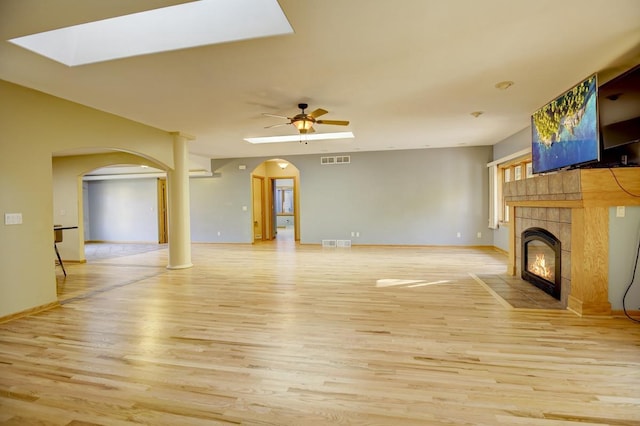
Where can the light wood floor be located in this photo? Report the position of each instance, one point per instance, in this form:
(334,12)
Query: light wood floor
(275,334)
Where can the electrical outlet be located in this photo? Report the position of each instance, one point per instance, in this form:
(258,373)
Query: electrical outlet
(458,235)
(479,234)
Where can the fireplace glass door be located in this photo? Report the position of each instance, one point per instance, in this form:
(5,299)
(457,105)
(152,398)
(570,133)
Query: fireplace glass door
(541,260)
(541,255)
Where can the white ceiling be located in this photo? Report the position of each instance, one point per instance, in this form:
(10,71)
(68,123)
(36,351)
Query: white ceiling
(406,73)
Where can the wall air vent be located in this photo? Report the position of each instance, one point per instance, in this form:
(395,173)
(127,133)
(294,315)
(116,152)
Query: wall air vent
(340,159)
(328,243)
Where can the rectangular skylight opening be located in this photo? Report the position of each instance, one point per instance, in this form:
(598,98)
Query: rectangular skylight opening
(182,26)
(301,138)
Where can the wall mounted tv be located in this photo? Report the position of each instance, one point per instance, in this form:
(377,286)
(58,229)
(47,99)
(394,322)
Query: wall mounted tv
(565,131)
(619,109)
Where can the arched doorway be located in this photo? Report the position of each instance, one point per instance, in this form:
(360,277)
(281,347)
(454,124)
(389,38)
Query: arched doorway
(70,191)
(276,200)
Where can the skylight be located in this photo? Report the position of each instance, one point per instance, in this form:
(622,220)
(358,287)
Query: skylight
(301,138)
(198,23)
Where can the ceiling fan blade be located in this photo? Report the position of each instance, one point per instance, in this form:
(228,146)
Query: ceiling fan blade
(317,113)
(277,125)
(334,122)
(266,114)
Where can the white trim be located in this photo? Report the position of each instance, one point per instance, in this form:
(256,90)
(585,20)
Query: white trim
(493,197)
(494,182)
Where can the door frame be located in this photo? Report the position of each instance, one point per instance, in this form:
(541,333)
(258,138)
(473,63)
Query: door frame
(296,206)
(263,234)
(163,226)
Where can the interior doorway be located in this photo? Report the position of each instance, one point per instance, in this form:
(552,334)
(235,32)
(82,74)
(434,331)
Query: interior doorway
(276,201)
(283,211)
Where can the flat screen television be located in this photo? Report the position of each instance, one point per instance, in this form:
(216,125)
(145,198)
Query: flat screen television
(619,109)
(565,131)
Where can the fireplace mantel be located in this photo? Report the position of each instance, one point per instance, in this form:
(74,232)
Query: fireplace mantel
(588,193)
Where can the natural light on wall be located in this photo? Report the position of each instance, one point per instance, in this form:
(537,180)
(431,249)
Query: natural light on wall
(301,138)
(198,23)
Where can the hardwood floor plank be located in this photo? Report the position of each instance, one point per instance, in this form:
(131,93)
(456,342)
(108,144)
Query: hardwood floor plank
(289,335)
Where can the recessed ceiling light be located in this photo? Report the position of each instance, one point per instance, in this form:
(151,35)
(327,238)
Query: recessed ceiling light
(301,138)
(504,85)
(182,26)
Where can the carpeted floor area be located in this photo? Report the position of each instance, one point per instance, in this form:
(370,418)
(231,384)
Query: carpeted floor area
(99,251)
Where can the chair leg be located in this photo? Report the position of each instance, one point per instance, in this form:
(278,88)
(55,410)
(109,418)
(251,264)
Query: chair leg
(55,246)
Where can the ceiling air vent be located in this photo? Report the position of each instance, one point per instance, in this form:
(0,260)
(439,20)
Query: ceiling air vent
(341,159)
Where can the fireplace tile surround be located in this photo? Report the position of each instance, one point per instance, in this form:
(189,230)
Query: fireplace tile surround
(541,260)
(574,206)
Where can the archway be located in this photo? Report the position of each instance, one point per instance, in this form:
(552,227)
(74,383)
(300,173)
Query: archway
(275,199)
(69,202)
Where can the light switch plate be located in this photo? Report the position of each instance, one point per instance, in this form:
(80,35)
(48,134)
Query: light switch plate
(620,211)
(13,218)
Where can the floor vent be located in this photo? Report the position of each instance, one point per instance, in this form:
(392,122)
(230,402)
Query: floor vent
(329,243)
(343,243)
(340,159)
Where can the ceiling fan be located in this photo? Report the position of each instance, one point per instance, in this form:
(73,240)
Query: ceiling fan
(304,122)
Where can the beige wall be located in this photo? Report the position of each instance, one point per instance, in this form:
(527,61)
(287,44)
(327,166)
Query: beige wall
(35,125)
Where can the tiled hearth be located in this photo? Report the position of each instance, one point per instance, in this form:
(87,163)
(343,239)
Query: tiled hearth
(574,207)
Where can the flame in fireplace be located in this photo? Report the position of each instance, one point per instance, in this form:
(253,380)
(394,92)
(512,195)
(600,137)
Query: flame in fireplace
(540,268)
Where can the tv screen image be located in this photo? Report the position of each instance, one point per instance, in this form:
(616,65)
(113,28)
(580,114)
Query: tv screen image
(565,131)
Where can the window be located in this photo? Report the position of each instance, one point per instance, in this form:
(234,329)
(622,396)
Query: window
(512,171)
(284,200)
(508,169)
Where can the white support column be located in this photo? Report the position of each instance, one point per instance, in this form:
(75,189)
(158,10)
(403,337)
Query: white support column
(178,197)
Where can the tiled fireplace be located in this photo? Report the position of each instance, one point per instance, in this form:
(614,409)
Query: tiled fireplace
(541,264)
(557,222)
(573,207)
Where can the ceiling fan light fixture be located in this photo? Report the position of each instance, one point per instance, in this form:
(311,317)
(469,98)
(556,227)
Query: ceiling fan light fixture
(303,124)
(283,165)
